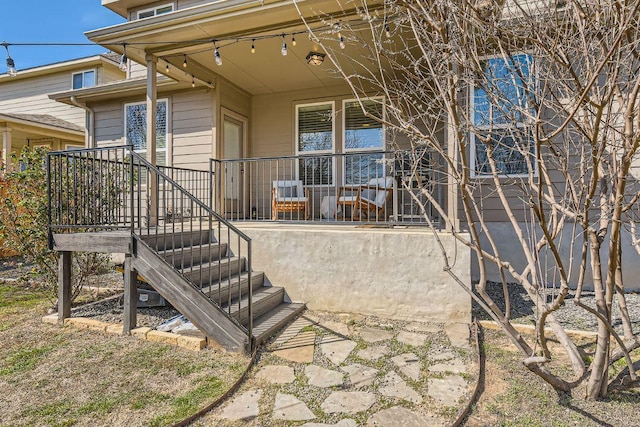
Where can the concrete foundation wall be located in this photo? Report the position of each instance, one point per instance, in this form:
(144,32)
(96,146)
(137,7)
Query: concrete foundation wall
(391,273)
(570,246)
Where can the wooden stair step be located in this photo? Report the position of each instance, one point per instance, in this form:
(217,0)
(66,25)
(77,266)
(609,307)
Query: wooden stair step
(222,294)
(205,274)
(194,255)
(264,299)
(167,239)
(268,324)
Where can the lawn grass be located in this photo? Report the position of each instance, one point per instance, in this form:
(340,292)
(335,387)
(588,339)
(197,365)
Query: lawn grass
(63,376)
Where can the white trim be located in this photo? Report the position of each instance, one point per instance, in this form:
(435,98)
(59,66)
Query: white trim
(168,129)
(155,10)
(95,78)
(472,136)
(333,140)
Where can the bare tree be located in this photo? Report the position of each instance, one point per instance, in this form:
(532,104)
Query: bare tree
(532,108)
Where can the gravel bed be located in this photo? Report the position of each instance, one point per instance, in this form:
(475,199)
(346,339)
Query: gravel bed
(570,315)
(112,310)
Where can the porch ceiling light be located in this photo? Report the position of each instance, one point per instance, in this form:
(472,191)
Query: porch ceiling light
(315,58)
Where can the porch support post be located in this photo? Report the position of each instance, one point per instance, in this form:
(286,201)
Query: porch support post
(64,286)
(130,296)
(151,135)
(6,148)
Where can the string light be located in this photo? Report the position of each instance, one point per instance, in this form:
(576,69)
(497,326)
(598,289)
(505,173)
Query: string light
(11,64)
(216,55)
(184,64)
(341,42)
(167,68)
(293,41)
(387,30)
(124,60)
(253,45)
(193,81)
(283,51)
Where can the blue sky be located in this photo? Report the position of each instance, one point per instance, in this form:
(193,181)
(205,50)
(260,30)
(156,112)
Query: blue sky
(36,21)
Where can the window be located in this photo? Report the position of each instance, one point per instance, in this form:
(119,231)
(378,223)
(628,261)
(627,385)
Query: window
(362,134)
(135,128)
(315,135)
(501,109)
(159,10)
(83,79)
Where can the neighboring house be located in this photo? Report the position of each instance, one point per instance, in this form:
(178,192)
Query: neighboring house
(29,118)
(287,139)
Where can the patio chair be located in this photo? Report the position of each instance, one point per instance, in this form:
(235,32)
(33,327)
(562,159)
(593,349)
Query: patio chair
(289,197)
(368,200)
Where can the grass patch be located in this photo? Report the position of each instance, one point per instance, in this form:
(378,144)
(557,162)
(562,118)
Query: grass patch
(191,402)
(23,360)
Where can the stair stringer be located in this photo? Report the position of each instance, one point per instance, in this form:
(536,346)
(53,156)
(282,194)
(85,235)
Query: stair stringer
(202,312)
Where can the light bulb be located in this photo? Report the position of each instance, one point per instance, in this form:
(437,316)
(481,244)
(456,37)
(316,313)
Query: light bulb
(12,67)
(184,64)
(253,46)
(218,58)
(341,42)
(193,81)
(166,69)
(283,51)
(293,41)
(123,62)
(387,30)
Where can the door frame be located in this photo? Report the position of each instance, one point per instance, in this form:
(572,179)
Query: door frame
(244,153)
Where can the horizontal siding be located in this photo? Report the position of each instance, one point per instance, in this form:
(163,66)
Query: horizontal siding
(183,4)
(30,96)
(192,120)
(111,75)
(137,71)
(109,124)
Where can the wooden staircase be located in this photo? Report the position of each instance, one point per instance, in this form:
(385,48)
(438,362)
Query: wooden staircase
(210,286)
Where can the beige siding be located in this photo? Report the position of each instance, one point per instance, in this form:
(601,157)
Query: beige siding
(30,96)
(235,99)
(183,4)
(137,70)
(109,120)
(109,74)
(192,119)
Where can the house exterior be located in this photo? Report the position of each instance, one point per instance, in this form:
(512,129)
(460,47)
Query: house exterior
(29,118)
(240,95)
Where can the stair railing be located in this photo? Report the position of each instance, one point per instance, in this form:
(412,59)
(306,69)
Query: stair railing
(114,188)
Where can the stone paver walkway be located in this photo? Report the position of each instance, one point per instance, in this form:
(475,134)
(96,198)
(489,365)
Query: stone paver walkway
(343,370)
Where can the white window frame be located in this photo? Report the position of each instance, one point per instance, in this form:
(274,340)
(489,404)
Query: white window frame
(473,154)
(95,78)
(155,10)
(166,149)
(346,150)
(333,141)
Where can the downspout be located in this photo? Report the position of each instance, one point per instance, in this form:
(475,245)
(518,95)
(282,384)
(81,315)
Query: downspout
(89,141)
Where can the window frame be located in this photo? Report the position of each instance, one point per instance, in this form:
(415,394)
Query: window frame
(373,150)
(83,72)
(331,151)
(524,124)
(166,149)
(155,10)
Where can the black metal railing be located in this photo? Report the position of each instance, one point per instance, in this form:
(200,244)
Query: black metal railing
(379,187)
(196,182)
(116,188)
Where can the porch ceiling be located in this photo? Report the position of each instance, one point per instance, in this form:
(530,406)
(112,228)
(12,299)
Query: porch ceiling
(191,31)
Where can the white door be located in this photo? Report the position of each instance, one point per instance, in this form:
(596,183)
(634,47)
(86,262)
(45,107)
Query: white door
(233,148)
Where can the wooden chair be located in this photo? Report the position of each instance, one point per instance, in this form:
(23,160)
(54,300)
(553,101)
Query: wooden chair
(289,197)
(368,200)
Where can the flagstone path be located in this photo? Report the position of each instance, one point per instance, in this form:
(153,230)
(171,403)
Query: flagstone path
(344,370)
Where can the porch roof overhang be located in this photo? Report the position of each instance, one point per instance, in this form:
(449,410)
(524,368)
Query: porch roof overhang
(191,32)
(31,126)
(115,90)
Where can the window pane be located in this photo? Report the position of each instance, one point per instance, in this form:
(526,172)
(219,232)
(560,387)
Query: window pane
(315,128)
(509,152)
(362,168)
(316,170)
(145,14)
(164,9)
(136,128)
(501,96)
(89,79)
(77,81)
(362,131)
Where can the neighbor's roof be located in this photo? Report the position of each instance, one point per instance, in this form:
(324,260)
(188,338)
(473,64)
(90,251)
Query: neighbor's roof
(42,119)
